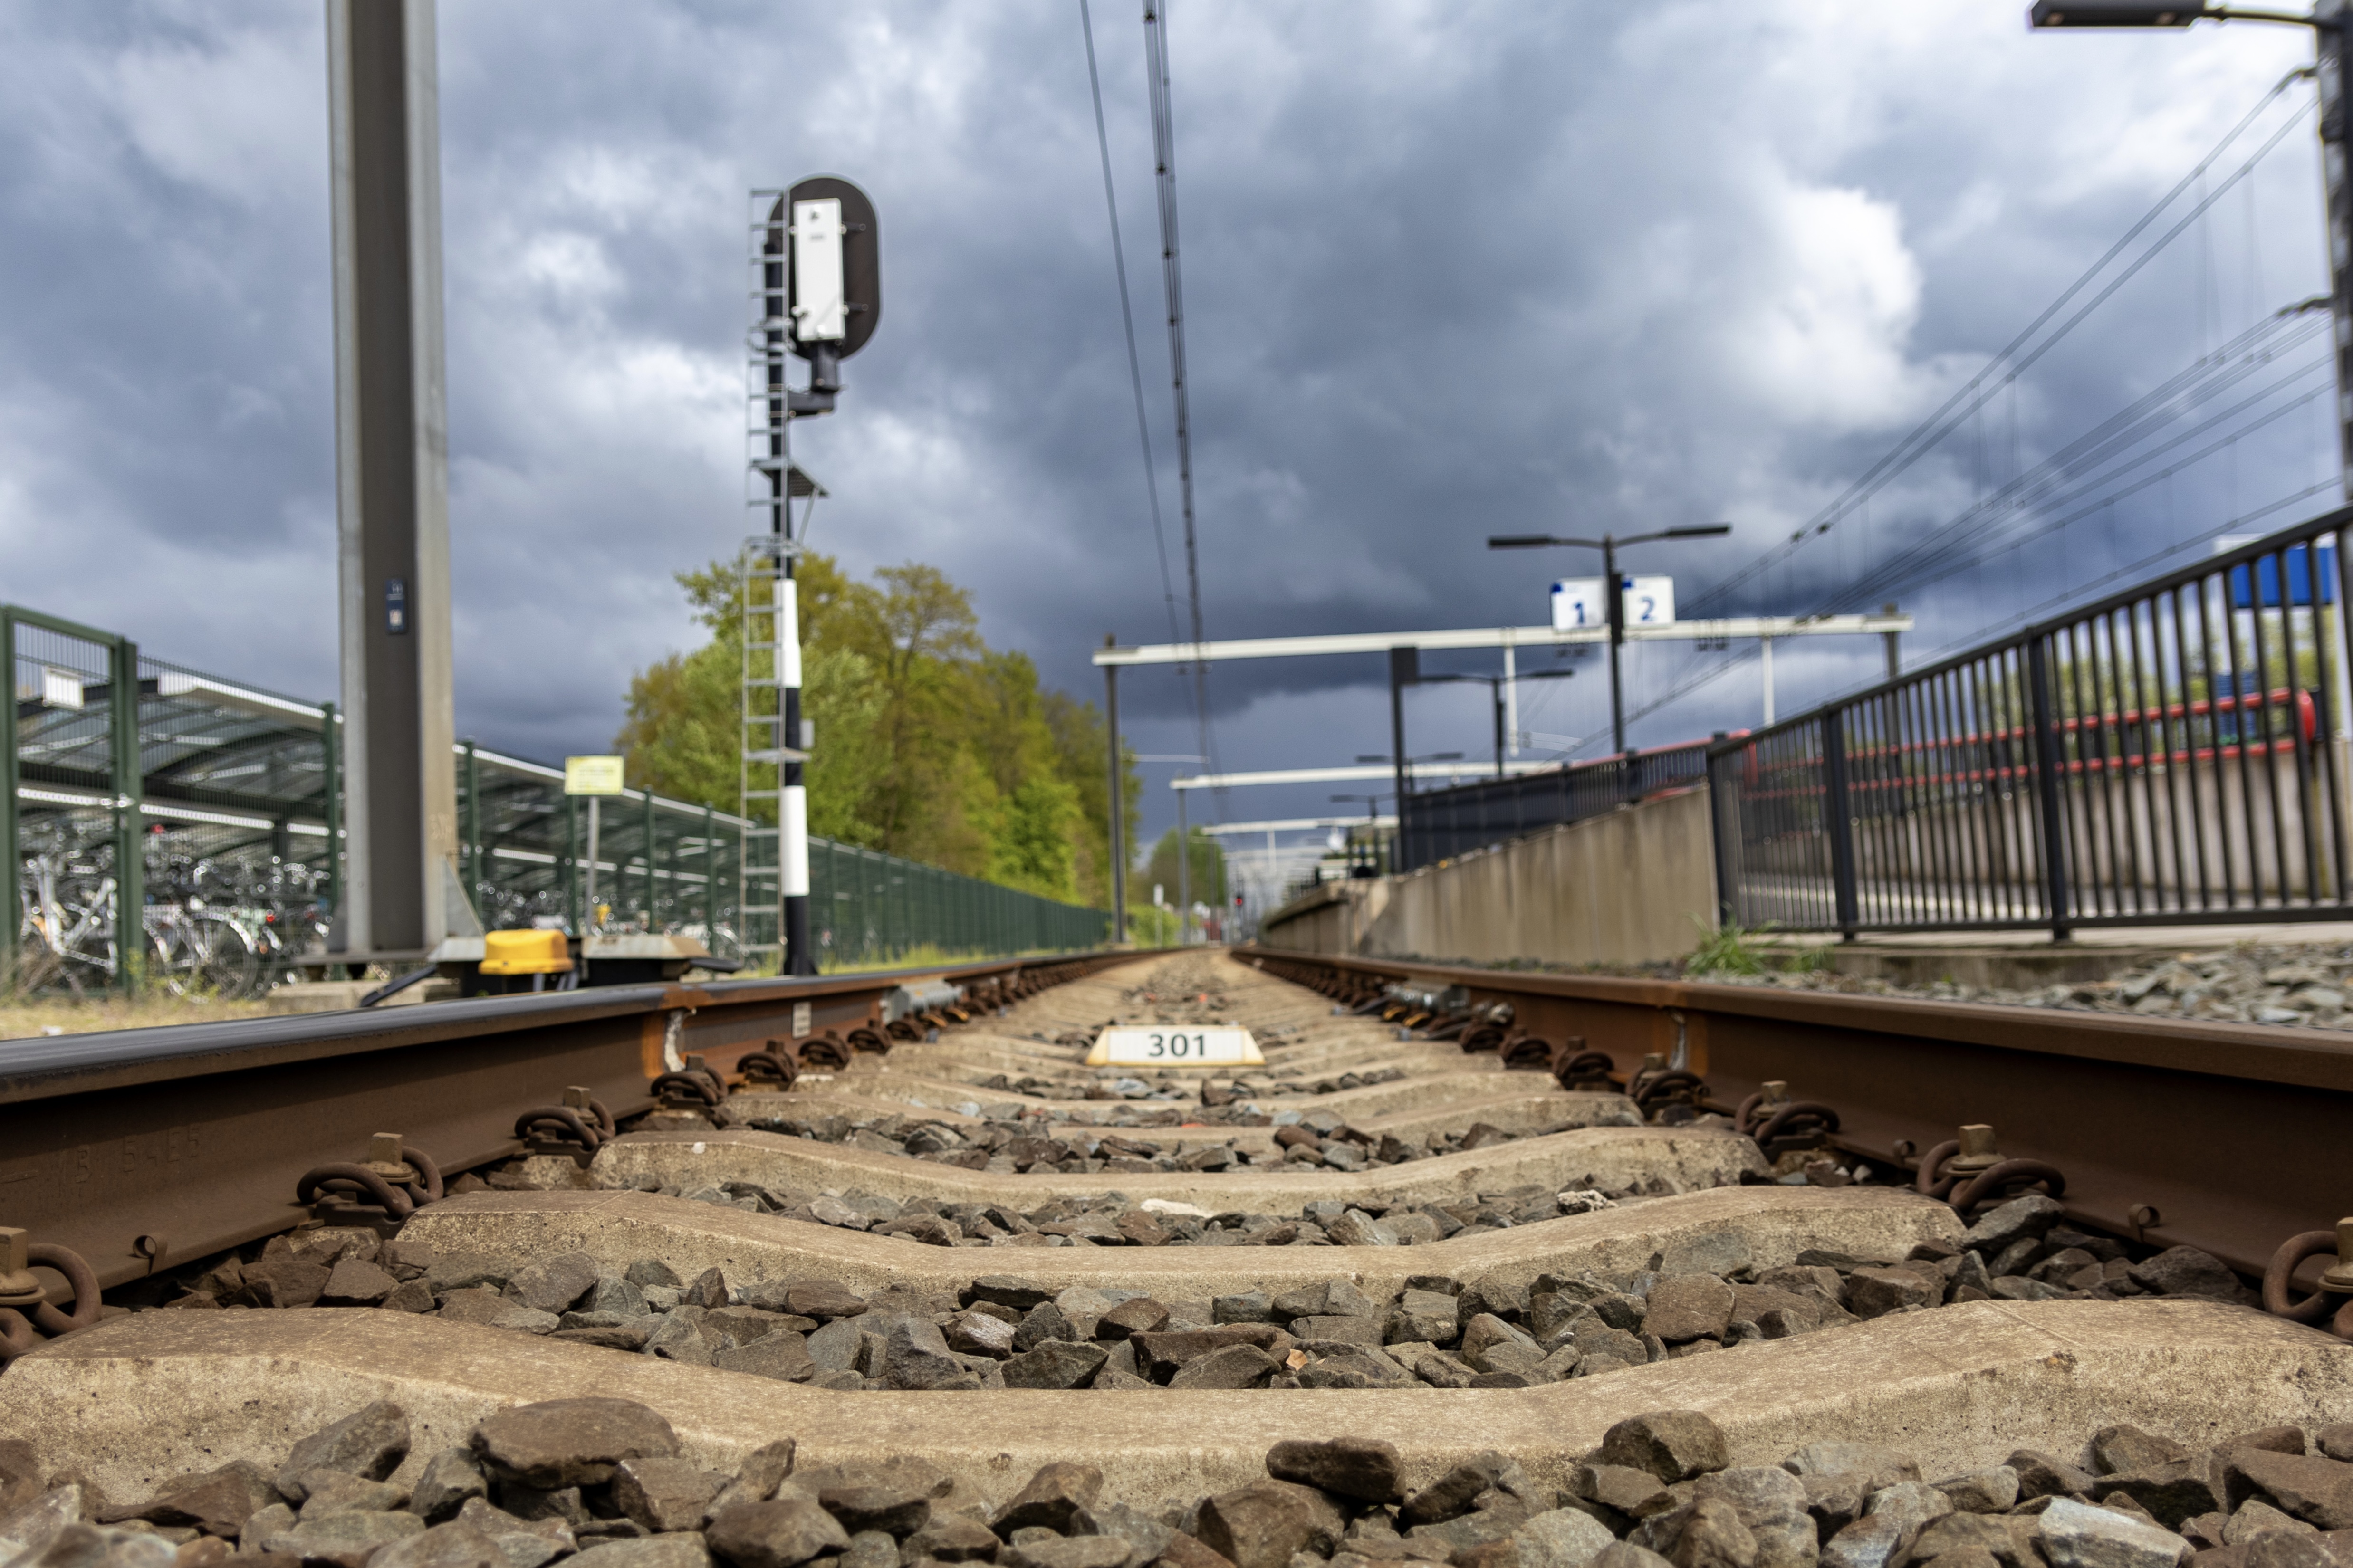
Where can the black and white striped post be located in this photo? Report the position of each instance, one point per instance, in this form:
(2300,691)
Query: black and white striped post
(792,800)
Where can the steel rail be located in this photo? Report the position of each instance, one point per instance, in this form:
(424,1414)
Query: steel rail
(2176,1131)
(142,1149)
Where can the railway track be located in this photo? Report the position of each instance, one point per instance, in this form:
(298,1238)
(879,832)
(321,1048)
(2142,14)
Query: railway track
(1499,1271)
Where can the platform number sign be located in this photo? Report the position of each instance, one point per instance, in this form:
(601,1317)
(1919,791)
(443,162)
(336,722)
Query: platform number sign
(1578,603)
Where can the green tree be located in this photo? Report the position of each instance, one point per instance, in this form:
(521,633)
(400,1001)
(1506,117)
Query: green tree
(1208,866)
(1081,743)
(680,735)
(928,744)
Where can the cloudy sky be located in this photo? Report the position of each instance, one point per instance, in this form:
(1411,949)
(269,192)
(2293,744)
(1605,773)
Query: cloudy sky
(1451,267)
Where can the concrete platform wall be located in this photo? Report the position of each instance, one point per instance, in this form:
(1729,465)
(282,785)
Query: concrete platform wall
(1635,886)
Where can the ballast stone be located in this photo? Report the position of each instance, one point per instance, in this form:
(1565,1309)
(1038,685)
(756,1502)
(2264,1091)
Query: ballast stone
(570,1442)
(2080,1535)
(1673,1445)
(369,1443)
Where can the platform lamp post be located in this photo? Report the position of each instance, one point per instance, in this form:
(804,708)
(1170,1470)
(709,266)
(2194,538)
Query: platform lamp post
(1613,591)
(1495,684)
(2331,22)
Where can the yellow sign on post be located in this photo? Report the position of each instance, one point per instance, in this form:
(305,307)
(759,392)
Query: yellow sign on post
(592,775)
(595,777)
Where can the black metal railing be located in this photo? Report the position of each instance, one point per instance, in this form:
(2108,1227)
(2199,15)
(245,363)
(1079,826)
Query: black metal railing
(1440,824)
(2174,754)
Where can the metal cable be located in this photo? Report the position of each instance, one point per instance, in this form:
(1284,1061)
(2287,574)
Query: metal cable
(2178,394)
(1972,395)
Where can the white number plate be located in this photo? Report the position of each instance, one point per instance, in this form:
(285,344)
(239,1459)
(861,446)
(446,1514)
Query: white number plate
(1174,1047)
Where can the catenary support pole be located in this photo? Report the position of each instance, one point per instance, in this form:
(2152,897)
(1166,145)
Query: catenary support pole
(401,888)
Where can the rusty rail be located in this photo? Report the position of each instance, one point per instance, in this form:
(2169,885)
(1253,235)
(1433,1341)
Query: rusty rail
(142,1149)
(2175,1132)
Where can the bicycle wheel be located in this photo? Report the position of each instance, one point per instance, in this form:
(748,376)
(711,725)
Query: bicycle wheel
(174,960)
(231,965)
(39,966)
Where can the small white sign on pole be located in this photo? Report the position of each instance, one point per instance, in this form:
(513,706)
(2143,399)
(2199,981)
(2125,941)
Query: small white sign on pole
(1578,603)
(1175,1045)
(1650,601)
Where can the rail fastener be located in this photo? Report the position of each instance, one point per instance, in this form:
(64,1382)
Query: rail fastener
(1970,1170)
(26,1315)
(394,1182)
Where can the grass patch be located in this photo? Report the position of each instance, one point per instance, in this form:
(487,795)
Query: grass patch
(1726,949)
(1734,949)
(26,1018)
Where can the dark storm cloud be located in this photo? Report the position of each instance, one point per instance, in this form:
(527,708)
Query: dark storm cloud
(1449,270)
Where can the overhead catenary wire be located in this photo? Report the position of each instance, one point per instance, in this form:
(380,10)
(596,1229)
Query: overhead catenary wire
(2016,355)
(1920,564)
(2078,590)
(2059,500)
(2001,371)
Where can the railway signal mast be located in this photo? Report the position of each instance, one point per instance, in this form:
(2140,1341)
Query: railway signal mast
(817,295)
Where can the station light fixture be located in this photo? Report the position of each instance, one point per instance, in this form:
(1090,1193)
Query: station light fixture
(2111,14)
(1613,589)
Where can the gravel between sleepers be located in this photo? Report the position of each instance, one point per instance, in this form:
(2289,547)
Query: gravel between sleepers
(1000,1331)
(604,1483)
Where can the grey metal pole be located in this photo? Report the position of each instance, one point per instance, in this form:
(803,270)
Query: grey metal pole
(1184,876)
(401,886)
(2332,22)
(1405,664)
(1118,840)
(1495,689)
(1614,596)
(1895,646)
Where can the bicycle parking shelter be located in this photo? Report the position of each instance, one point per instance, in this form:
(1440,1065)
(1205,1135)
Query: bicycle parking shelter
(194,821)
